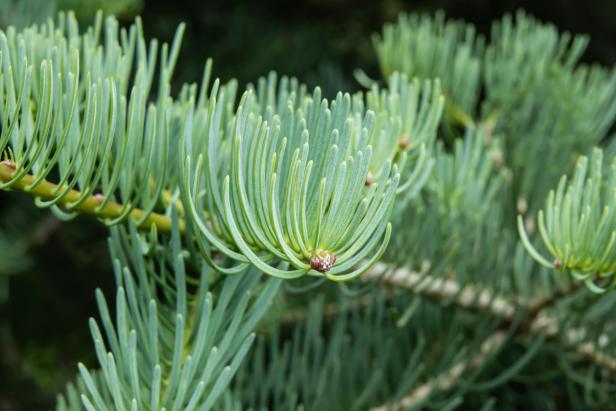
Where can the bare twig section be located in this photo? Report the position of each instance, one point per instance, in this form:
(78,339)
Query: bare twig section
(444,290)
(448,379)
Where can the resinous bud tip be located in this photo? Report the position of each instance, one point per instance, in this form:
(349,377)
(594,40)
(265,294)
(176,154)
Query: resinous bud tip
(322,261)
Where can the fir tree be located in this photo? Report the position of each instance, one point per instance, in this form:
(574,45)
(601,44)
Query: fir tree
(445,239)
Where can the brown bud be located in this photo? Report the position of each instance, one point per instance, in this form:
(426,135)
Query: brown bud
(9,164)
(322,262)
(369,179)
(558,264)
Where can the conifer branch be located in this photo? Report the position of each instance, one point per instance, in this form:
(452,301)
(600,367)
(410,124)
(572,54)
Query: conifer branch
(540,323)
(91,206)
(573,338)
(592,353)
(292,184)
(449,378)
(440,289)
(466,296)
(577,224)
(469,297)
(443,290)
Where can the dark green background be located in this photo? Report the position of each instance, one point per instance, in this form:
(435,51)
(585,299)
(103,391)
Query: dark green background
(43,326)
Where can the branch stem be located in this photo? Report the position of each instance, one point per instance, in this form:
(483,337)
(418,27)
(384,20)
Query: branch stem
(444,290)
(91,206)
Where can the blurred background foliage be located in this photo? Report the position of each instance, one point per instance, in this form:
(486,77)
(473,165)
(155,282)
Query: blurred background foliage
(45,264)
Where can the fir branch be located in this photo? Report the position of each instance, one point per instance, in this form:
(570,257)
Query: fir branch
(578,224)
(171,346)
(536,323)
(465,296)
(443,290)
(572,338)
(91,206)
(448,379)
(591,353)
(439,289)
(286,161)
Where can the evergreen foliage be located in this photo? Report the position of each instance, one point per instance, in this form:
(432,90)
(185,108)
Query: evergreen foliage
(241,215)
